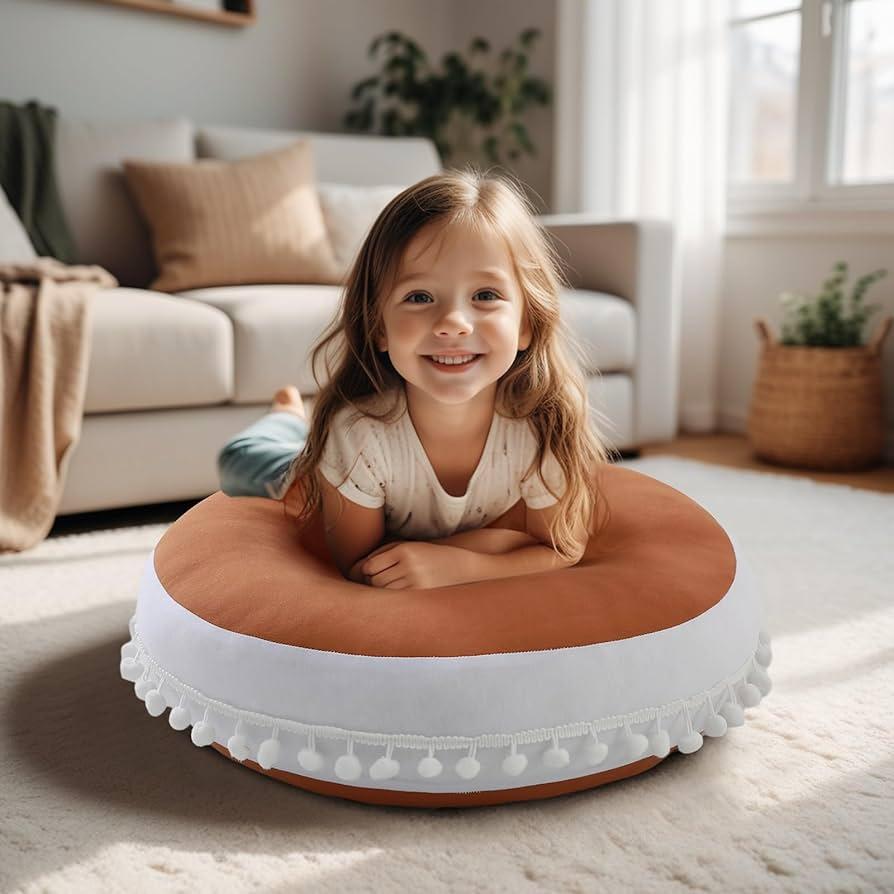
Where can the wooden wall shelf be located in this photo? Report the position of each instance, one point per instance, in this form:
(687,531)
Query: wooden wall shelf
(171,7)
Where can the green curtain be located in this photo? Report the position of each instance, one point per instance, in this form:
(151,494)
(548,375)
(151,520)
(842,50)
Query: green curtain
(28,177)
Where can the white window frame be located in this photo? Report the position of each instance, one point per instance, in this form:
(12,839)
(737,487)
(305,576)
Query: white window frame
(810,203)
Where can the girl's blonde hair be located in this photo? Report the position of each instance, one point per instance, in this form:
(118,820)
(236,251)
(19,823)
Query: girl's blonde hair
(543,385)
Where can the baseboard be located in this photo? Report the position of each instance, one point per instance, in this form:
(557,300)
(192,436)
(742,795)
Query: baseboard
(733,420)
(698,418)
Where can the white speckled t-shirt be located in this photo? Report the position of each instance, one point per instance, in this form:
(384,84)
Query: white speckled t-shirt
(389,466)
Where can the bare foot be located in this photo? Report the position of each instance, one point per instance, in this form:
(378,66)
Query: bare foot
(288,400)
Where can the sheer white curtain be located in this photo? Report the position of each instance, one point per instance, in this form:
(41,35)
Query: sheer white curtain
(641,132)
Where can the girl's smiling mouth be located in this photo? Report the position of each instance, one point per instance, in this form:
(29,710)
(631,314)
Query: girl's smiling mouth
(452,363)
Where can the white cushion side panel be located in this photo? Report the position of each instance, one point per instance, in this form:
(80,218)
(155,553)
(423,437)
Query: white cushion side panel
(467,696)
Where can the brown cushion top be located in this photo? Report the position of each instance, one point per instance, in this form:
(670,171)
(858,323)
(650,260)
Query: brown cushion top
(243,565)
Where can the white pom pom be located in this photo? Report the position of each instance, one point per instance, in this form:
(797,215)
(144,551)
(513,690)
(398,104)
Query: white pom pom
(268,753)
(384,768)
(311,760)
(143,687)
(155,703)
(429,767)
(750,695)
(690,742)
(515,764)
(556,758)
(238,747)
(467,767)
(659,743)
(129,650)
(764,638)
(715,726)
(131,670)
(348,767)
(202,734)
(595,753)
(178,718)
(763,655)
(637,745)
(733,714)
(762,681)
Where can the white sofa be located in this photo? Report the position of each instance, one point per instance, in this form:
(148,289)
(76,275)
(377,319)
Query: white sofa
(171,377)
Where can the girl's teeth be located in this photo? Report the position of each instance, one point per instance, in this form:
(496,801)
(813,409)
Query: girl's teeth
(454,361)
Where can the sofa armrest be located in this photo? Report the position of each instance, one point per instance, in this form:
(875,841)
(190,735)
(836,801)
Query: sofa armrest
(634,260)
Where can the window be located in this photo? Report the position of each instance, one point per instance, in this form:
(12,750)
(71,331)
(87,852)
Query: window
(811,124)
(764,57)
(866,147)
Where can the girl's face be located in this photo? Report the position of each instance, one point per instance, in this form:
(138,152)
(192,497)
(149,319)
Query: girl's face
(455,293)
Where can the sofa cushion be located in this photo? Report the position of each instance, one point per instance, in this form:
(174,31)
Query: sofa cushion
(360,159)
(605,327)
(104,222)
(15,245)
(150,350)
(217,223)
(349,212)
(274,327)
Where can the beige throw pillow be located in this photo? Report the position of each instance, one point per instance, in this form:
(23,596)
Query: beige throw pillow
(216,223)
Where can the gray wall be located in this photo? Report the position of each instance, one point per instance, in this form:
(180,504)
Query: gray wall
(292,69)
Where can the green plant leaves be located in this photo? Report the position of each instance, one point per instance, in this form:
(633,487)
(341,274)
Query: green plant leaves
(406,97)
(823,320)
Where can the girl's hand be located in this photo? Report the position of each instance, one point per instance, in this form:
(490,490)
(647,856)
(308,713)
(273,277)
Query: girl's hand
(415,564)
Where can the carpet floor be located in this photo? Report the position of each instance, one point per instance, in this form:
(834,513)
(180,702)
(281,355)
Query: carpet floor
(97,795)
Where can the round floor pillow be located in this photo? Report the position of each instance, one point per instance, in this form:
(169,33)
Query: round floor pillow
(500,690)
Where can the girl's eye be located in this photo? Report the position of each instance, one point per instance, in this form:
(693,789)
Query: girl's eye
(413,295)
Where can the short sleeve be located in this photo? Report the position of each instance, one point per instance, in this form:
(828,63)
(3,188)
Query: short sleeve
(535,493)
(352,450)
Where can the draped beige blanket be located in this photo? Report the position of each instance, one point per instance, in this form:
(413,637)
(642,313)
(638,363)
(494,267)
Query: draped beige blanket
(45,311)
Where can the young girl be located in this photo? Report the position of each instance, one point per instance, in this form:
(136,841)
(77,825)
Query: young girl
(449,398)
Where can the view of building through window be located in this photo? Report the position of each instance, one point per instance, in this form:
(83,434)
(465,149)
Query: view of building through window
(766,55)
(868,138)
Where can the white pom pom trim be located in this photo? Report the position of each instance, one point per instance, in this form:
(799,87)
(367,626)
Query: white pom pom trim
(637,734)
(268,751)
(468,767)
(237,744)
(348,766)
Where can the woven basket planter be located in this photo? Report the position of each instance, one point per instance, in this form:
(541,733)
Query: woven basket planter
(818,407)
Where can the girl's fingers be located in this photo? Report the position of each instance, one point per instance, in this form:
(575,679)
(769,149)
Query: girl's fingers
(378,564)
(383,578)
(399,584)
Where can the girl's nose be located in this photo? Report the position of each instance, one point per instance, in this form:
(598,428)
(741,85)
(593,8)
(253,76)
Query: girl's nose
(453,323)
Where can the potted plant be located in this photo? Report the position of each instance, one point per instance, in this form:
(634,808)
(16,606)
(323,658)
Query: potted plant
(818,399)
(467,112)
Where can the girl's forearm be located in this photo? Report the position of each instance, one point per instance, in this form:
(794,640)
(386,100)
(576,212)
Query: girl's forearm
(477,542)
(525,560)
(490,541)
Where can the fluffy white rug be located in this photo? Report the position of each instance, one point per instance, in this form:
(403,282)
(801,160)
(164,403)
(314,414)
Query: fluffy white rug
(97,795)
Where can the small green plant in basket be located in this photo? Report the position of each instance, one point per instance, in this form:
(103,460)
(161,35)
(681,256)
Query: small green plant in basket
(825,321)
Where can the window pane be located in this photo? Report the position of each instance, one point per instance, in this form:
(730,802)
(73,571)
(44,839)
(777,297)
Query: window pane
(744,9)
(764,99)
(868,139)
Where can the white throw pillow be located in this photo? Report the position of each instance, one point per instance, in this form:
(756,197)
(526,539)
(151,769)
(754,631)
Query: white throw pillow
(349,212)
(15,246)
